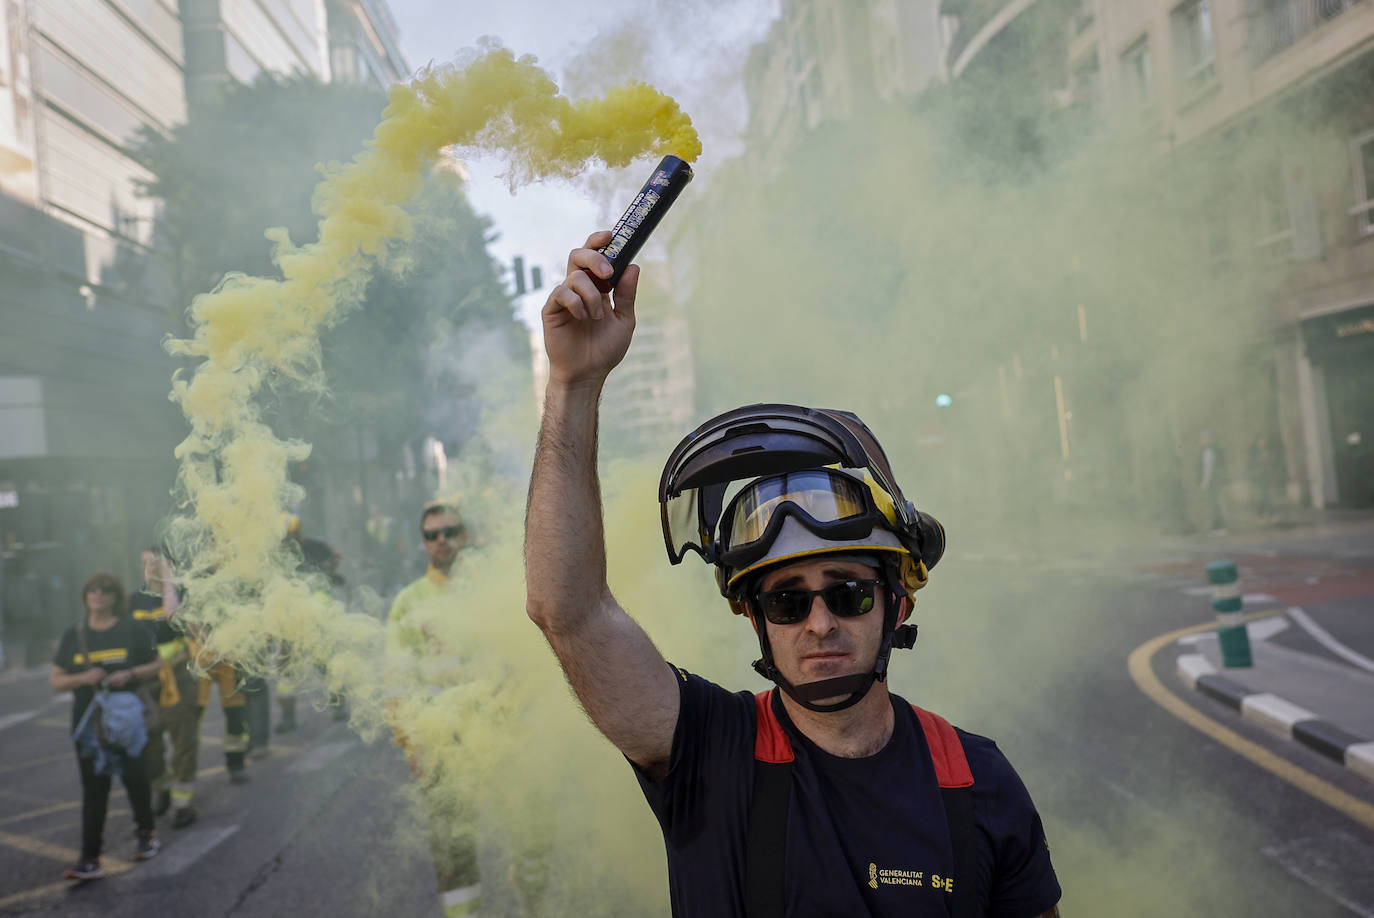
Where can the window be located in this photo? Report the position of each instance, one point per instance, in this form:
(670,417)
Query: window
(1273,228)
(1138,73)
(1193,40)
(1086,80)
(1216,233)
(1362,153)
(1082,18)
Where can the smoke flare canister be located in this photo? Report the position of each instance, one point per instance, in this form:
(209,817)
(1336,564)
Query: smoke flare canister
(642,216)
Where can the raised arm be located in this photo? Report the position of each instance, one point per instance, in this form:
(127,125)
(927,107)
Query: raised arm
(619,676)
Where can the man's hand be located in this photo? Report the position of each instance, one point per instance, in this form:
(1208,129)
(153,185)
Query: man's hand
(587,332)
(94,676)
(119,679)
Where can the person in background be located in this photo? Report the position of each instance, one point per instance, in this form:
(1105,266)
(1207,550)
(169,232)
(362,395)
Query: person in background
(106,651)
(417,657)
(225,675)
(156,605)
(316,557)
(1264,469)
(1212,480)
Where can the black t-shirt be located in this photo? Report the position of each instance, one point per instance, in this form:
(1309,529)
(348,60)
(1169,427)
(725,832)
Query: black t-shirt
(146,608)
(865,837)
(125,645)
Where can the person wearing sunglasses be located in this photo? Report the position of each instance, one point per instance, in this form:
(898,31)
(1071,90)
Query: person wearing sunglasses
(419,663)
(827,794)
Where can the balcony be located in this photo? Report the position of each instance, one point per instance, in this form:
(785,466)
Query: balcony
(1281,23)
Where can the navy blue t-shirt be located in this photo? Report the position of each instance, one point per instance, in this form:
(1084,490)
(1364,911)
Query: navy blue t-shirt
(865,837)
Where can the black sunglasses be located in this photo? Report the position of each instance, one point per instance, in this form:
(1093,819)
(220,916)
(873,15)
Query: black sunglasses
(448,532)
(846,599)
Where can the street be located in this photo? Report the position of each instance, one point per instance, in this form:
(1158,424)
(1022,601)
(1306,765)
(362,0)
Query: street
(1146,814)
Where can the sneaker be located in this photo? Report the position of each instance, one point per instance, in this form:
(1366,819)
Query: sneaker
(162,803)
(258,753)
(148,847)
(85,870)
(183,817)
(238,777)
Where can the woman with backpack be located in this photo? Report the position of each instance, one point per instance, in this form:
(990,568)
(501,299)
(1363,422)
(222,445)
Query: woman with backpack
(103,660)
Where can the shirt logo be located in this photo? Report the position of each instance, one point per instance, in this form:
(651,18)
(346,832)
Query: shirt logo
(892,876)
(115,655)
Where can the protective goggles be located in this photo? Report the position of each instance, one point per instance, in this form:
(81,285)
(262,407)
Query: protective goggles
(832,504)
(846,599)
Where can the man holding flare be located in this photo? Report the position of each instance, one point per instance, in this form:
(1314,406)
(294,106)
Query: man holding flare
(827,795)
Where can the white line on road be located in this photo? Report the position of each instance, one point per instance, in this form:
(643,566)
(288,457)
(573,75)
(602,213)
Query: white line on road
(1330,864)
(1261,630)
(1323,637)
(13,720)
(1247,598)
(319,757)
(187,849)
(19,717)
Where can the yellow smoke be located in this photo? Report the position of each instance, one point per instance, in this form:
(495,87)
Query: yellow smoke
(255,335)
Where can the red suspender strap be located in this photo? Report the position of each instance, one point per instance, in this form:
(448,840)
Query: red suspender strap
(770,742)
(951,766)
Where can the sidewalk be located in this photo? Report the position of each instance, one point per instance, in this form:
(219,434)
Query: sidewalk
(1324,705)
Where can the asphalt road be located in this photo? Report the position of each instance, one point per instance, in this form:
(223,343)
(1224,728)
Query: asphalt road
(1146,815)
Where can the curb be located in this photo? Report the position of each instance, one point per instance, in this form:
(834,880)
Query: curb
(1280,716)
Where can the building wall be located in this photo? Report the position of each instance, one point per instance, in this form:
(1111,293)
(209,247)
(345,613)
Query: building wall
(84,302)
(364,44)
(242,39)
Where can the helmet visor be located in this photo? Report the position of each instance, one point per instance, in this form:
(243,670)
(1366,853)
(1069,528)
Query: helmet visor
(828,502)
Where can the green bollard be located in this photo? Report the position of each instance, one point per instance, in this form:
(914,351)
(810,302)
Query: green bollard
(1226,602)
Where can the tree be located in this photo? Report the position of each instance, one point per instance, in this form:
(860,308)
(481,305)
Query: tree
(398,368)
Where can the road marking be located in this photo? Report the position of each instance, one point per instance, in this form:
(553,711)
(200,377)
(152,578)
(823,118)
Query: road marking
(1323,637)
(319,757)
(1335,865)
(31,845)
(34,814)
(1260,630)
(13,720)
(1138,663)
(189,848)
(34,763)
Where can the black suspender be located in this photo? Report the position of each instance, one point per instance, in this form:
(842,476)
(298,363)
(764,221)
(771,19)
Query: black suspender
(766,844)
(963,899)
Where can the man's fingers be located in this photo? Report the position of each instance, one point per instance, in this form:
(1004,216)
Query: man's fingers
(589,259)
(625,292)
(586,289)
(597,239)
(564,297)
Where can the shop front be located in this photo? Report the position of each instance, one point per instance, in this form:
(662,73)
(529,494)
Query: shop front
(1340,347)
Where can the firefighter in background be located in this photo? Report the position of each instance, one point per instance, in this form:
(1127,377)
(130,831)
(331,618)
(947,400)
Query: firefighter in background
(316,557)
(156,605)
(417,656)
(235,704)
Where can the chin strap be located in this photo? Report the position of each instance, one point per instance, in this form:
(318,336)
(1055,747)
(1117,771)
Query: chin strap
(856,686)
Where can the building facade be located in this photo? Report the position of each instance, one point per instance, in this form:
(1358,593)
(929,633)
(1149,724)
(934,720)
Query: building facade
(364,43)
(86,452)
(1195,75)
(822,57)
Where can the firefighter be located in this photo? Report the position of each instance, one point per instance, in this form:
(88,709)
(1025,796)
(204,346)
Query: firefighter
(156,605)
(417,655)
